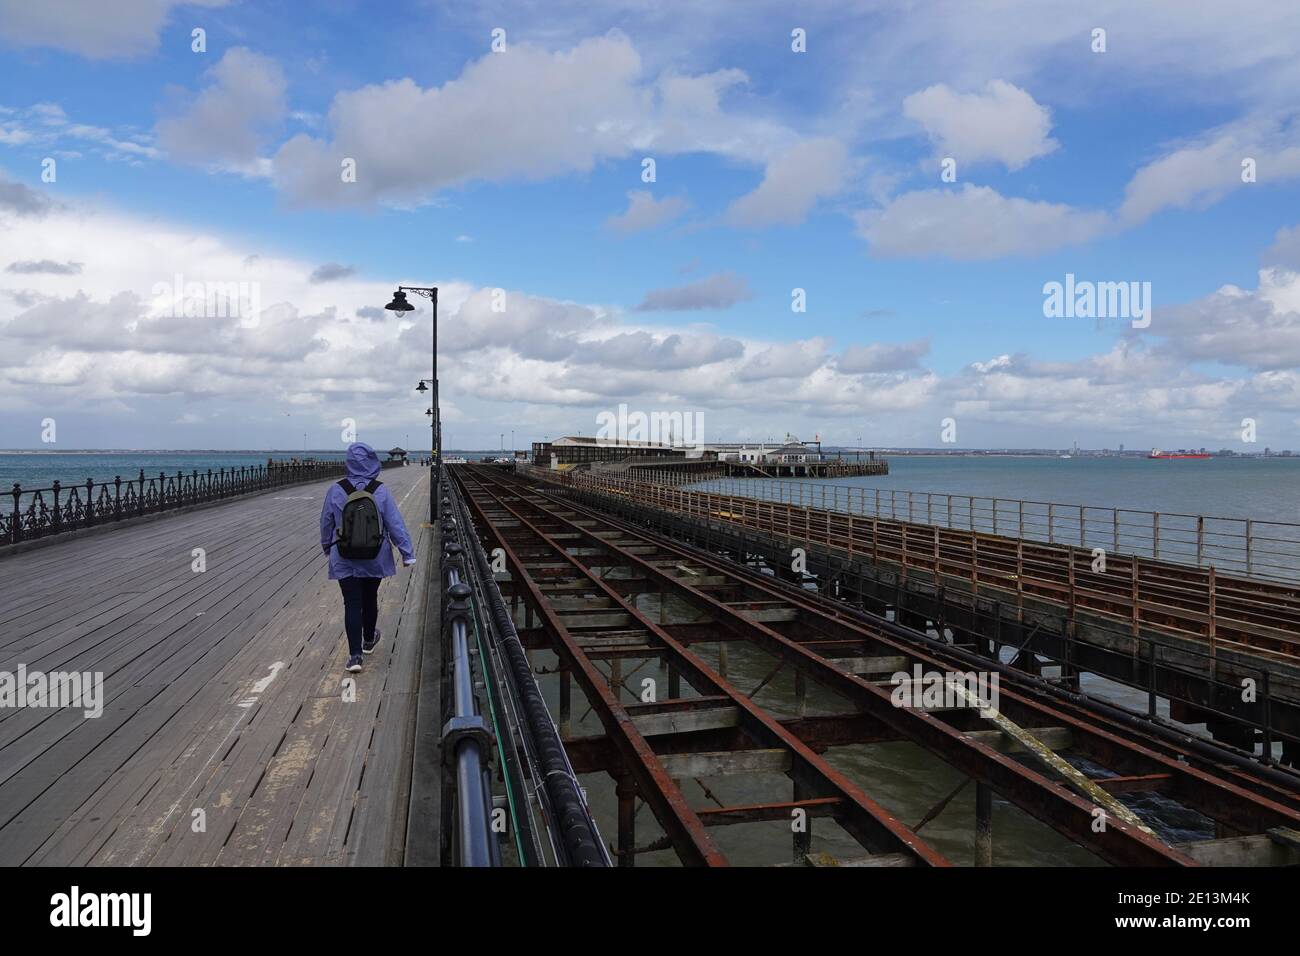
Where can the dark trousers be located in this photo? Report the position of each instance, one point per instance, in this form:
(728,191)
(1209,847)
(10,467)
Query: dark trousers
(360,609)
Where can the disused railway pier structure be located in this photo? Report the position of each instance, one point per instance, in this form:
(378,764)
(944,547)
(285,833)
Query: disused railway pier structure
(647,604)
(1120,594)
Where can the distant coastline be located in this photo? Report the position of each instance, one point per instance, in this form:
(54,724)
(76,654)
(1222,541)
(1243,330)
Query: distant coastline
(846,450)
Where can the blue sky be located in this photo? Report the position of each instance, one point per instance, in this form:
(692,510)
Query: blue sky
(520,169)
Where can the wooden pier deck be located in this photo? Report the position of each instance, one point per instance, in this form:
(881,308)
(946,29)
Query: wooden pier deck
(227,735)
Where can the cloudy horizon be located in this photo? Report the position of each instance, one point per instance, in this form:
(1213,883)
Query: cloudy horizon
(839,223)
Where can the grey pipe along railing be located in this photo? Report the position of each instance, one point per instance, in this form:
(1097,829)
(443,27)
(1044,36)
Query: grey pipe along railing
(466,738)
(573,834)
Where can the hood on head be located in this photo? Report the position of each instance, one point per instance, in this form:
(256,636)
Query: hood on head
(362,461)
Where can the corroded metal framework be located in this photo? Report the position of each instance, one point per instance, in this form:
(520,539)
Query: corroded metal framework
(1189,634)
(580,574)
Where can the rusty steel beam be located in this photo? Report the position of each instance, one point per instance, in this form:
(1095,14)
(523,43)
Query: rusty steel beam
(1224,799)
(689,838)
(869,822)
(1216,796)
(1069,814)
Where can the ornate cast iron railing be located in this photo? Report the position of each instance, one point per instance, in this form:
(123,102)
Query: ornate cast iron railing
(39,512)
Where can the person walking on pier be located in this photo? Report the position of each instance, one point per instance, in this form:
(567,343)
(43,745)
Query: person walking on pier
(359,523)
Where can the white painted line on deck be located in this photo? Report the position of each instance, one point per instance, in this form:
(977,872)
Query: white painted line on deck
(262,685)
(258,686)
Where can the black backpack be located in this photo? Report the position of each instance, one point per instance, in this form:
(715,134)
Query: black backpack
(360,534)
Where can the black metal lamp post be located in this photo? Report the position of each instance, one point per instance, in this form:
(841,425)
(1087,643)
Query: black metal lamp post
(400,305)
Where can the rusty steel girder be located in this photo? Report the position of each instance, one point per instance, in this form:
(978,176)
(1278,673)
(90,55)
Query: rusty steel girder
(867,821)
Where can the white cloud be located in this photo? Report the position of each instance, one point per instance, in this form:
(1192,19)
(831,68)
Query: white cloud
(1206,169)
(786,360)
(1001,124)
(1285,250)
(331,272)
(225,124)
(718,291)
(974,223)
(882,358)
(1257,329)
(526,114)
(38,266)
(91,28)
(47,126)
(792,184)
(645,212)
(22,200)
(89,348)
(654,352)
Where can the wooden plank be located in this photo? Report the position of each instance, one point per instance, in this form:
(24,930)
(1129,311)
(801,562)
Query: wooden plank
(686,721)
(870,665)
(1254,850)
(726,763)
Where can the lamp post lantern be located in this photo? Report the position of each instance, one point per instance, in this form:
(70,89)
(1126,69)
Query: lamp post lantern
(400,305)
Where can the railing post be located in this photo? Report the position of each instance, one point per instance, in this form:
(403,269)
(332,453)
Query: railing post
(117,497)
(1020,580)
(57,521)
(1151,678)
(1250,535)
(934,530)
(1133,564)
(1265,699)
(16,520)
(89,510)
(1211,623)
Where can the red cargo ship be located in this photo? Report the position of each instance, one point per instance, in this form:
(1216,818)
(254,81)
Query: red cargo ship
(1157,453)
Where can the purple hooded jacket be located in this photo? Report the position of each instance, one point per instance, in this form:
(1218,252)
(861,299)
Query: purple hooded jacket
(363,465)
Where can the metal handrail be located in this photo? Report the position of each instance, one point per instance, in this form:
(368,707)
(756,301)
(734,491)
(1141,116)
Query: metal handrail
(465,737)
(477,844)
(554,785)
(40,512)
(1249,546)
(574,835)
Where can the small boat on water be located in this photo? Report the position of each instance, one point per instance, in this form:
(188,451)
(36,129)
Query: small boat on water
(1157,453)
